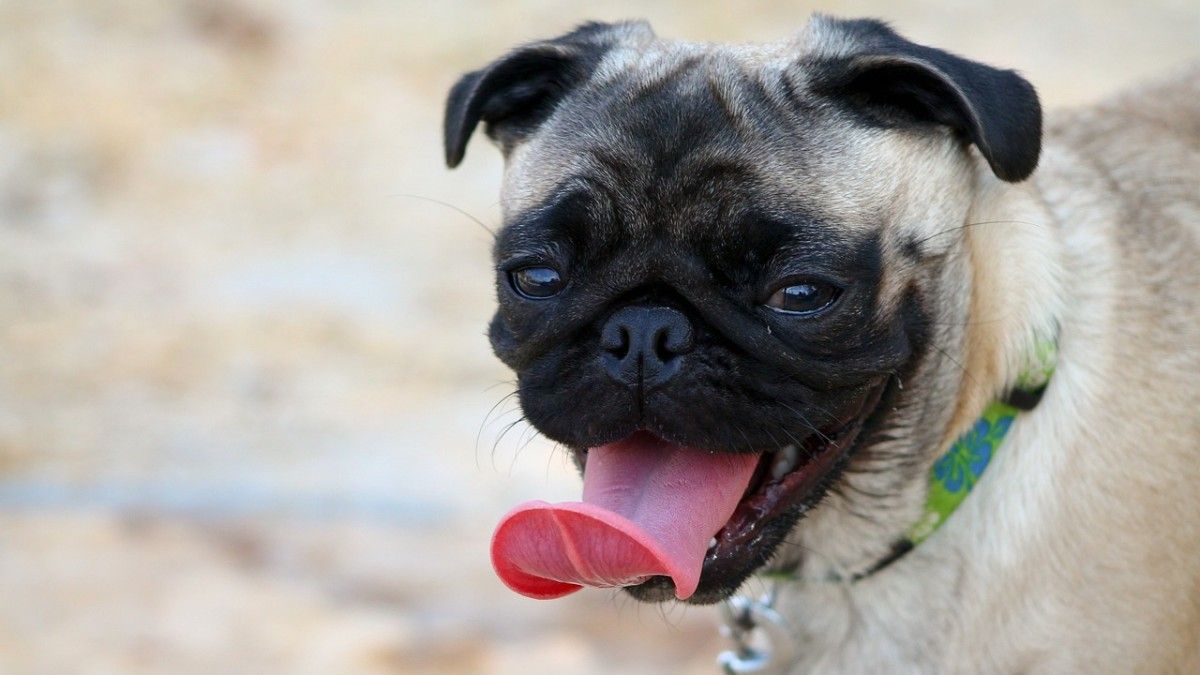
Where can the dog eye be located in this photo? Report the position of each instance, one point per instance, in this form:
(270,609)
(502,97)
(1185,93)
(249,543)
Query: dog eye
(803,297)
(536,282)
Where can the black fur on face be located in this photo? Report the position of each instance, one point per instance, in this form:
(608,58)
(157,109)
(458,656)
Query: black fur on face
(755,378)
(700,190)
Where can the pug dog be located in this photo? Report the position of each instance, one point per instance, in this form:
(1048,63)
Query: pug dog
(831,254)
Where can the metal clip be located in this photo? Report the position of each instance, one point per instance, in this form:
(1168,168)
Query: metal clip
(762,642)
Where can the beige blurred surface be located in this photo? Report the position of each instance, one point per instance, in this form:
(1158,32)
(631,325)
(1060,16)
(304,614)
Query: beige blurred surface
(244,388)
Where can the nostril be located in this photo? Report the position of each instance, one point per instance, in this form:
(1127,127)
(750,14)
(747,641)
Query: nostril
(662,347)
(615,338)
(673,339)
(622,347)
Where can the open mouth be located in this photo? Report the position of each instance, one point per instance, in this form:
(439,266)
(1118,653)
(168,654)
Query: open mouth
(785,483)
(664,521)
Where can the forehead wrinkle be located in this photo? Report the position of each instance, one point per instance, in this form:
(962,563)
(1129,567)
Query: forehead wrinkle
(753,108)
(724,86)
(647,83)
(697,173)
(609,165)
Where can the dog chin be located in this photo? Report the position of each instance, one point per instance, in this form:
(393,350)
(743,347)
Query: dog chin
(787,482)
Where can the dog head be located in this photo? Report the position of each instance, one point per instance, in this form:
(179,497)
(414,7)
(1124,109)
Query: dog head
(744,249)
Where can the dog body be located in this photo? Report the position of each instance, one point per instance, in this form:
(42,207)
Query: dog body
(848,227)
(1079,552)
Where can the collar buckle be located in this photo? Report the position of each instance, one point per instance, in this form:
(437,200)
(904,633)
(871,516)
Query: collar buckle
(761,640)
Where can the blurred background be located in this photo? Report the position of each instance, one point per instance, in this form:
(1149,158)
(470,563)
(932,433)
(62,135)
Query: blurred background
(248,418)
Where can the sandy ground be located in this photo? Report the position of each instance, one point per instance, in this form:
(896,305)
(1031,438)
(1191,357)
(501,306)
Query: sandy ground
(244,392)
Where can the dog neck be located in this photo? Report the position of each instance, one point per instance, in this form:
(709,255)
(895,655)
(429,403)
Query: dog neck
(956,472)
(1014,253)
(951,479)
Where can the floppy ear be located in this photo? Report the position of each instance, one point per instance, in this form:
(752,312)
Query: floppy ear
(897,82)
(515,94)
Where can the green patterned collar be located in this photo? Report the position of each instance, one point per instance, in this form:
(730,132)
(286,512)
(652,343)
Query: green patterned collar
(956,472)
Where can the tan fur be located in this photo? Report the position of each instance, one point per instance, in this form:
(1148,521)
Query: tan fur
(1080,550)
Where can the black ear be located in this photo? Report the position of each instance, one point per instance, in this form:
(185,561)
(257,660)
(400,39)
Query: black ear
(515,94)
(898,82)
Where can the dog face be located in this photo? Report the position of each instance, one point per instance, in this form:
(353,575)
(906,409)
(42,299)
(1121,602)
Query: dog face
(741,249)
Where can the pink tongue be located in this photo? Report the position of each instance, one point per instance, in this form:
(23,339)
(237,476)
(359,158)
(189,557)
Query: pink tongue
(649,508)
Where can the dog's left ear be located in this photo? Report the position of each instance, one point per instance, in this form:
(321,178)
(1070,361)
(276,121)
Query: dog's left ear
(897,82)
(516,93)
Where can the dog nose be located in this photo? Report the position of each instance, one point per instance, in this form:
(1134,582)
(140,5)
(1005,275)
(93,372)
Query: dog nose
(643,345)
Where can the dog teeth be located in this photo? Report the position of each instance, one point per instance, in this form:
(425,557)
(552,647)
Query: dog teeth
(785,461)
(712,543)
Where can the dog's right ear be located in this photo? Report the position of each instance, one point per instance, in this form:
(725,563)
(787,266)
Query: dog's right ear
(516,93)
